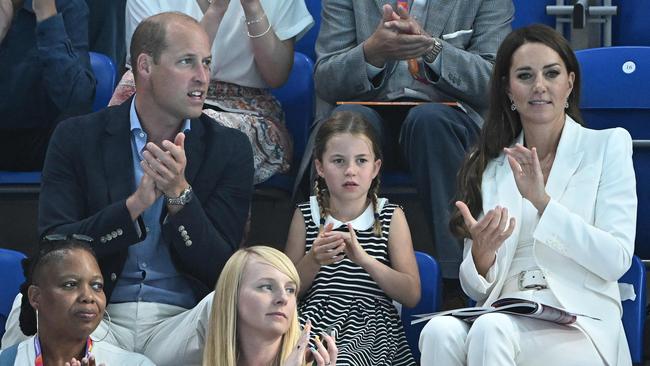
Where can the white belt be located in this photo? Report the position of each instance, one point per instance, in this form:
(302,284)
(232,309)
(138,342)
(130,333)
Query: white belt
(532,280)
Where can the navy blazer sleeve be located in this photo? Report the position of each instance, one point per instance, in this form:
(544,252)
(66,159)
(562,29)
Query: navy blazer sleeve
(79,193)
(215,218)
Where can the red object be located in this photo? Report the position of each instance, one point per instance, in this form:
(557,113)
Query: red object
(403,4)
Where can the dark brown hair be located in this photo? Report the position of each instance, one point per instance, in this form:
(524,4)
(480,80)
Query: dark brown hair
(503,125)
(340,123)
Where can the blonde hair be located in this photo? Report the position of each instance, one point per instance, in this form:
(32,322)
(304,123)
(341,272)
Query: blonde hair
(221,347)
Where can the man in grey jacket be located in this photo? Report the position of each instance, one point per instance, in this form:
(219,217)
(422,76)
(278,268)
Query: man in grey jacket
(423,51)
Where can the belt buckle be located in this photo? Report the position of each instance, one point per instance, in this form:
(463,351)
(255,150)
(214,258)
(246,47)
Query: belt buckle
(532,280)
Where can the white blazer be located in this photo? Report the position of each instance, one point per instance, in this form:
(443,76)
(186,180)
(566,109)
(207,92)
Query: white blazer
(584,240)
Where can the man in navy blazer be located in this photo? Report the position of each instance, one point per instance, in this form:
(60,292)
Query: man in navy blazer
(164,190)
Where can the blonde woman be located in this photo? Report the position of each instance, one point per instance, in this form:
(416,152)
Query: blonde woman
(254,320)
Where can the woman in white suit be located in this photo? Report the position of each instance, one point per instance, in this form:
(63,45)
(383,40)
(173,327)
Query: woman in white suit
(548,210)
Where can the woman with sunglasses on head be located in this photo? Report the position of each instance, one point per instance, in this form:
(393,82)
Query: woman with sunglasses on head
(63,302)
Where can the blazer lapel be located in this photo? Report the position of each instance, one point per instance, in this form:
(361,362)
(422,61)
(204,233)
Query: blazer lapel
(194,147)
(437,16)
(116,151)
(567,159)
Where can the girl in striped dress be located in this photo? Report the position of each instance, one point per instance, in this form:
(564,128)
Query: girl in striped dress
(353,250)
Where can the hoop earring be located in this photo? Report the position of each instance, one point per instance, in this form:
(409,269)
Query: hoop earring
(108,326)
(513,107)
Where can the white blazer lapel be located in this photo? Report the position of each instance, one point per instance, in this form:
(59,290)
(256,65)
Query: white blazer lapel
(567,159)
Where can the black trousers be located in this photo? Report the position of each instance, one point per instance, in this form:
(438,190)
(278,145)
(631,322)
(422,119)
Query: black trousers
(430,140)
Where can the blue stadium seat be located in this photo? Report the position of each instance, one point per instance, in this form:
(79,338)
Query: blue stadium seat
(634,311)
(631,27)
(431,286)
(11,273)
(306,44)
(105,74)
(532,11)
(297,99)
(615,93)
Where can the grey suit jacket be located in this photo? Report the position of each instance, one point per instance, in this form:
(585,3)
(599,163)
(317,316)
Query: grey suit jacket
(471,31)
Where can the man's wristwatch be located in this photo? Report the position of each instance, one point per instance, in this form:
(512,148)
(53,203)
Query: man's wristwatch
(433,52)
(182,199)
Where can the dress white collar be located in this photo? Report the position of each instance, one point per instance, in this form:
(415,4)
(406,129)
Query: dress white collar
(361,222)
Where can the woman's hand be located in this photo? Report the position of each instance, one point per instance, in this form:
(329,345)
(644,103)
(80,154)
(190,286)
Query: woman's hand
(86,361)
(529,175)
(219,5)
(328,247)
(6,17)
(325,356)
(488,234)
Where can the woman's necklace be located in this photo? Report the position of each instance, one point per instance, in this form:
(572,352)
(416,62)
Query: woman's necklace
(38,361)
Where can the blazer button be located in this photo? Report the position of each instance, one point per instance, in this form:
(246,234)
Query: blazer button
(102,240)
(188,243)
(113,276)
(119,231)
(114,234)
(181,228)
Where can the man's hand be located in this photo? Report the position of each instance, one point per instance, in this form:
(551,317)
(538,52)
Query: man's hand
(44,9)
(6,16)
(397,37)
(167,167)
(143,197)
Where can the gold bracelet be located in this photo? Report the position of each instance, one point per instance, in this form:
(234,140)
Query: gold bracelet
(255,21)
(258,35)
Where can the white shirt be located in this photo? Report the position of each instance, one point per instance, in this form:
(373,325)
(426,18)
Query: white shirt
(104,352)
(232,53)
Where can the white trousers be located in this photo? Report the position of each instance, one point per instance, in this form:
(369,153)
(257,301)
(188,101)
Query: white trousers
(504,340)
(167,334)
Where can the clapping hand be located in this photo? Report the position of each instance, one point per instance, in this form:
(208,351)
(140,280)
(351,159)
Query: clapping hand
(44,9)
(488,234)
(86,361)
(353,249)
(328,247)
(6,16)
(529,175)
(167,167)
(397,37)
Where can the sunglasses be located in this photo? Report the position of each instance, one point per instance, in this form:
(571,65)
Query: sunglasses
(63,237)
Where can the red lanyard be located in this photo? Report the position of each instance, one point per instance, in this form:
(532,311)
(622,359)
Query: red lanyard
(38,361)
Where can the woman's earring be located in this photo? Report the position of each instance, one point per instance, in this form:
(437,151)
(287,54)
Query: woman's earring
(108,326)
(566,105)
(513,107)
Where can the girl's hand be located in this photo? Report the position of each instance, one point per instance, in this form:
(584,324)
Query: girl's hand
(325,356)
(328,247)
(353,249)
(488,234)
(528,174)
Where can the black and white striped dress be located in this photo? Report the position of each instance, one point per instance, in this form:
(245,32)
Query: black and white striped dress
(344,296)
